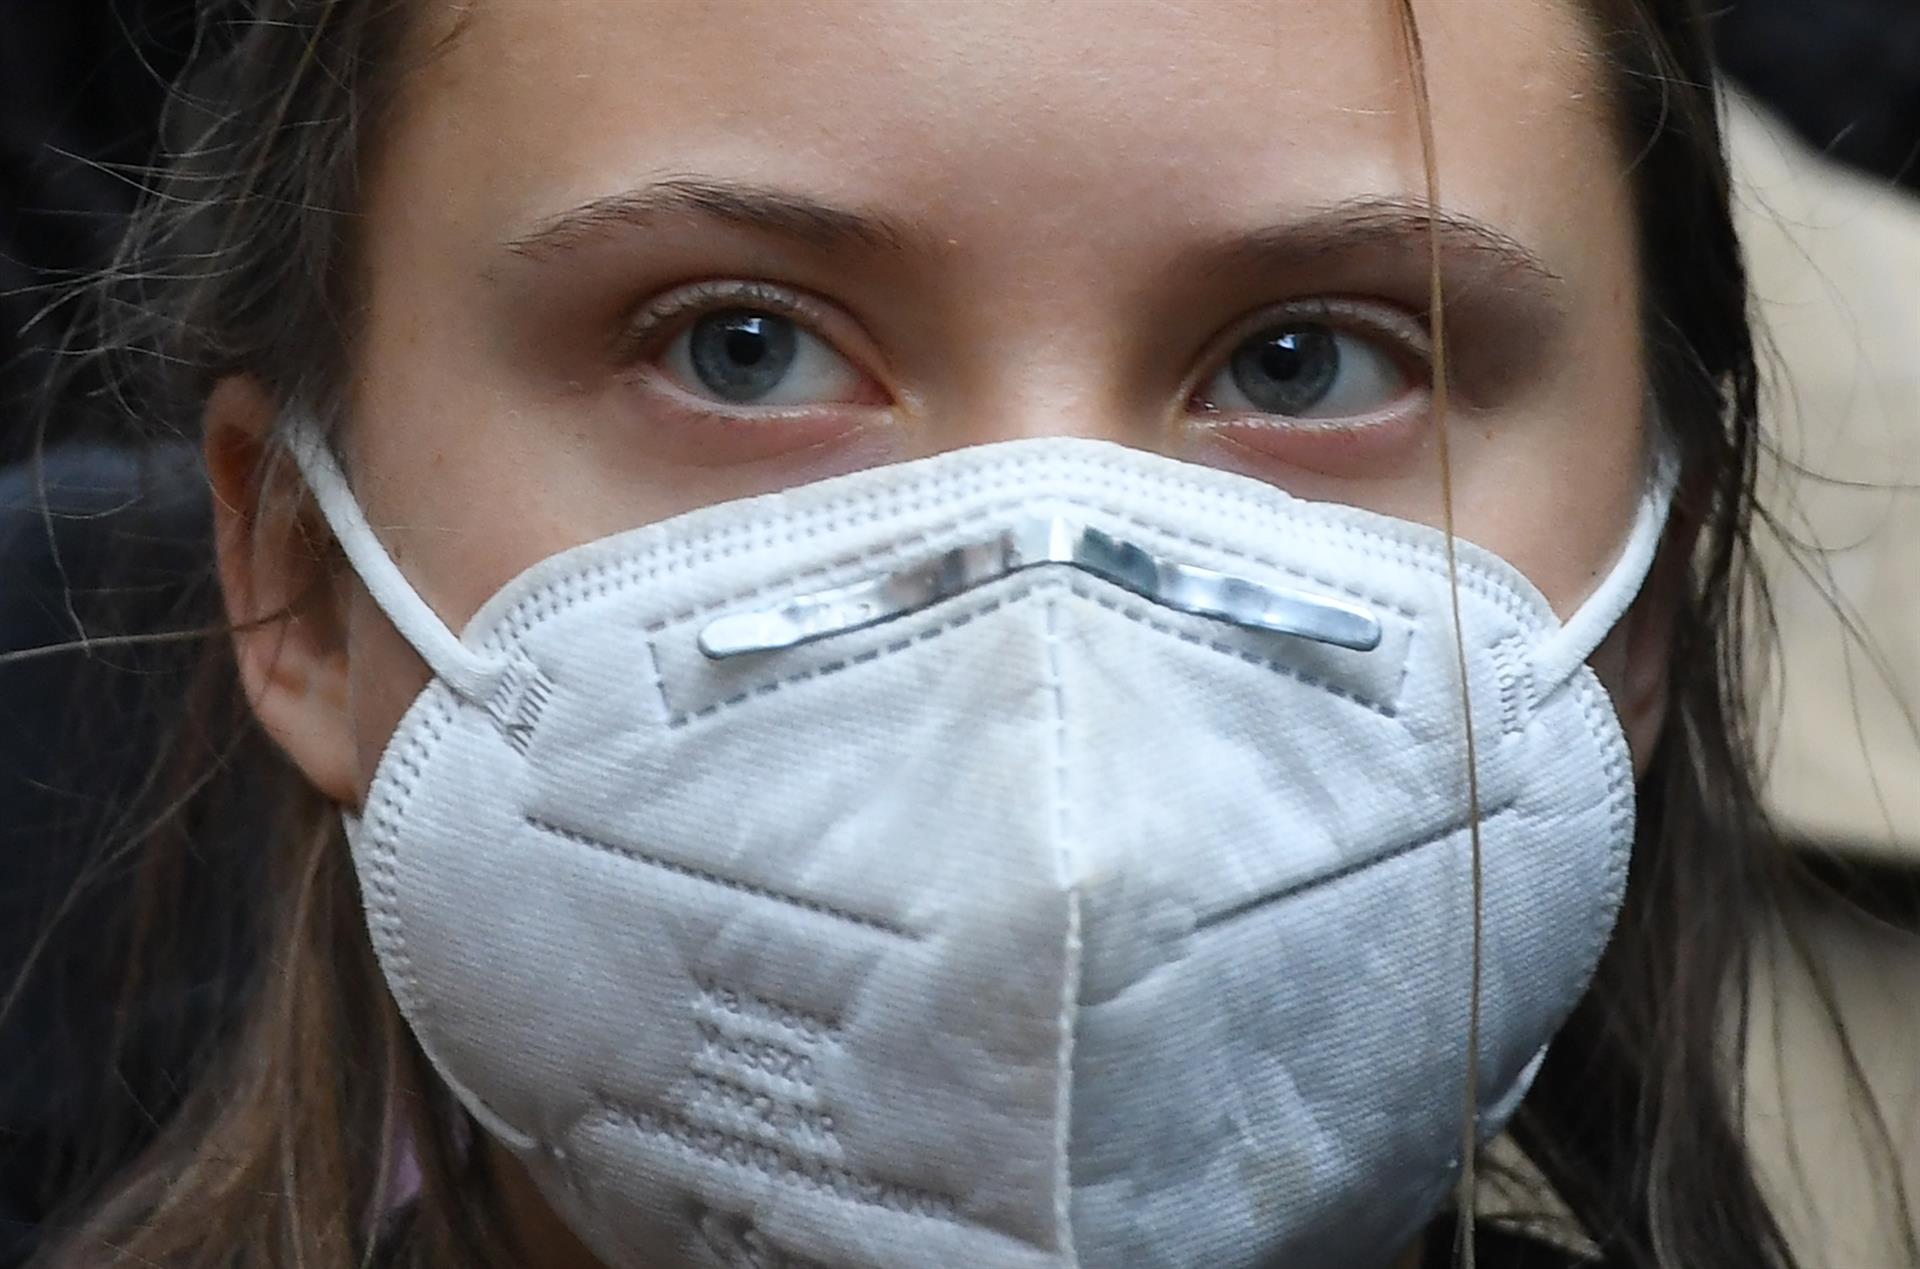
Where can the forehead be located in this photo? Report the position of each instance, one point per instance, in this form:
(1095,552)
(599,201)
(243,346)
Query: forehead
(1099,119)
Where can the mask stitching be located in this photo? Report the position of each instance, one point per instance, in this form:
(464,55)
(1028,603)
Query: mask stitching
(634,854)
(677,719)
(384,814)
(874,557)
(423,732)
(1142,613)
(1616,760)
(763,1078)
(659,680)
(758,1076)
(754,1111)
(558,594)
(1511,675)
(1208,922)
(755,1102)
(1068,1017)
(776,1164)
(517,704)
(764,1057)
(753,1006)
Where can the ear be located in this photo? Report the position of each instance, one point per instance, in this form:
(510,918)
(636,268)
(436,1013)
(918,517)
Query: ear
(289,632)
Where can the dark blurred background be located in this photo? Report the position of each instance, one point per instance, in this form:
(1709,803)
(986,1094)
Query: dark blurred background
(82,83)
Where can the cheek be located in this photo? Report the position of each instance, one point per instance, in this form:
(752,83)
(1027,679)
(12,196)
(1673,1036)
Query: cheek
(385,676)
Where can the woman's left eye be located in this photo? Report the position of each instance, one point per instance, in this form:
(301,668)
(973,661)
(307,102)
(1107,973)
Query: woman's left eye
(1305,370)
(757,357)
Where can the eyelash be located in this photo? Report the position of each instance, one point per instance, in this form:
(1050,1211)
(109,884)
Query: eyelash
(662,317)
(1406,335)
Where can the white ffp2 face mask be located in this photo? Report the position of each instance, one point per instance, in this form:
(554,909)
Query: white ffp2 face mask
(1045,854)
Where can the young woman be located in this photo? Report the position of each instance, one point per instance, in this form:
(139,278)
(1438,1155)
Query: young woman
(1062,608)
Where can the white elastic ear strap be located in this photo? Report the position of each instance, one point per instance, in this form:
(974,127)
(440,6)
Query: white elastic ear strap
(453,662)
(1602,611)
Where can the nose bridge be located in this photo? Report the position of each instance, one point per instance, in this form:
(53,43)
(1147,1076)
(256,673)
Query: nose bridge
(1044,345)
(1063,383)
(1030,415)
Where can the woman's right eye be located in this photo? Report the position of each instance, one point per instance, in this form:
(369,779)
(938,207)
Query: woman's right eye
(760,358)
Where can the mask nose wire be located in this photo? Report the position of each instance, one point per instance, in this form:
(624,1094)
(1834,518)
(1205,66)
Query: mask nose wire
(466,671)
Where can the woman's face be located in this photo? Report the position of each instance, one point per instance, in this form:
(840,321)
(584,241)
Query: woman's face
(628,259)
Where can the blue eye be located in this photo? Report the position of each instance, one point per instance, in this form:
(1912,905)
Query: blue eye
(1306,370)
(743,356)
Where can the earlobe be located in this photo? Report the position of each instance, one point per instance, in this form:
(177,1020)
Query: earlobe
(289,635)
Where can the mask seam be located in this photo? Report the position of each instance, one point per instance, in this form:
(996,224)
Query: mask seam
(899,547)
(384,811)
(775,1163)
(1616,760)
(688,872)
(609,577)
(677,719)
(1068,1018)
(659,677)
(516,703)
(1208,923)
(425,731)
(1512,681)
(805,1024)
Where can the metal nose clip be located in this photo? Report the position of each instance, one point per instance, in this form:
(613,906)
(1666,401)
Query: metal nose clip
(1044,540)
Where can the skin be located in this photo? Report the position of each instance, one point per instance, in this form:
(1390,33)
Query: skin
(1068,206)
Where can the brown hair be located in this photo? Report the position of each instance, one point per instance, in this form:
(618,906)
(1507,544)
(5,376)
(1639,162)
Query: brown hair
(279,1150)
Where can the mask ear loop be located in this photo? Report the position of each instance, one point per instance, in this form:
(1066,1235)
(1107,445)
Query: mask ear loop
(1569,647)
(467,672)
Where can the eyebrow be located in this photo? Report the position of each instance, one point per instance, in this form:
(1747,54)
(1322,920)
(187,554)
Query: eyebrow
(1378,223)
(1349,227)
(780,212)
